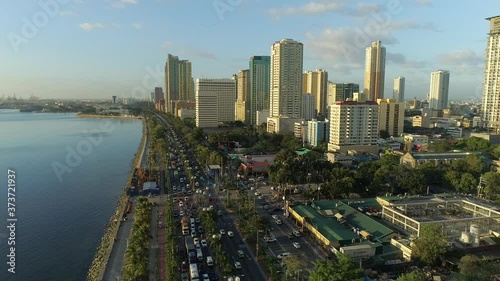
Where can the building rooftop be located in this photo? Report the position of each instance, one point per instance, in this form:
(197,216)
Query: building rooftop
(354,217)
(330,228)
(442,155)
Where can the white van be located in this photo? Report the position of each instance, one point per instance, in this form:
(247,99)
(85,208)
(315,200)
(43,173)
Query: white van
(210,261)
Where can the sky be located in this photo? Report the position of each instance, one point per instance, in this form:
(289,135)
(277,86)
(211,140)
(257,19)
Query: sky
(99,48)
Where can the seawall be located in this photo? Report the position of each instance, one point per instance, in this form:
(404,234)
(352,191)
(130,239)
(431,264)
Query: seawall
(106,116)
(101,257)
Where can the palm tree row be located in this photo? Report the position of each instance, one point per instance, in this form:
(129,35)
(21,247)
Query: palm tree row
(137,254)
(209,221)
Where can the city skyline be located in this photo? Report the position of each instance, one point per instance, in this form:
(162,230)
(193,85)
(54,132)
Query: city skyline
(113,47)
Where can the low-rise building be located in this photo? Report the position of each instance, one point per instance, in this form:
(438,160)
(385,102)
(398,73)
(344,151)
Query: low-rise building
(414,159)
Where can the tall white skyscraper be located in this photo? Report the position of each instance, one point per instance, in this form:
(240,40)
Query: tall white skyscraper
(491,92)
(375,71)
(286,79)
(399,89)
(438,93)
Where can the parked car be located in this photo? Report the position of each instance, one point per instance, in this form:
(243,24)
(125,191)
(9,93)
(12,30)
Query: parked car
(283,255)
(296,245)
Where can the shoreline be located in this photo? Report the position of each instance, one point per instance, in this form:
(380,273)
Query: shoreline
(107,116)
(101,257)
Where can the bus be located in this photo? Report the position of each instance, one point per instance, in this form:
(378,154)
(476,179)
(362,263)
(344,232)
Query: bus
(193,271)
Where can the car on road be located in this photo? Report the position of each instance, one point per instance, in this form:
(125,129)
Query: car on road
(230,234)
(222,232)
(181,204)
(204,243)
(296,245)
(278,222)
(296,233)
(290,235)
(275,217)
(283,255)
(269,239)
(184,277)
(241,254)
(260,197)
(237,265)
(197,220)
(196,241)
(181,213)
(257,193)
(205,277)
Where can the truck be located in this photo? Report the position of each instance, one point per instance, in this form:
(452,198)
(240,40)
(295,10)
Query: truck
(190,245)
(193,271)
(185,226)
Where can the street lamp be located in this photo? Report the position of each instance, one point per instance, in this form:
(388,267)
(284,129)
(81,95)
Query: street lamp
(319,190)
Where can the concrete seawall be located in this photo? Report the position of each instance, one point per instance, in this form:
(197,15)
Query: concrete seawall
(101,257)
(105,116)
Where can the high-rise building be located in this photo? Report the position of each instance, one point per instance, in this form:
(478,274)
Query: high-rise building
(186,83)
(316,84)
(225,92)
(491,91)
(341,91)
(391,116)
(354,126)
(308,107)
(206,109)
(375,71)
(158,94)
(399,89)
(286,79)
(242,94)
(438,93)
(259,86)
(178,81)
(317,132)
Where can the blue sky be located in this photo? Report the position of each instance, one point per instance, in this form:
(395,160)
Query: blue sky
(99,48)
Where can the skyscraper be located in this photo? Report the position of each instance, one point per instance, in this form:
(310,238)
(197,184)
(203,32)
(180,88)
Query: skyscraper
(491,91)
(438,93)
(399,89)
(286,79)
(391,116)
(225,92)
(316,84)
(375,71)
(308,107)
(242,94)
(259,86)
(353,126)
(341,91)
(178,82)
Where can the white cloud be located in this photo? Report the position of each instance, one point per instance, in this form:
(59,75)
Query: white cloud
(91,26)
(314,7)
(463,61)
(137,25)
(120,4)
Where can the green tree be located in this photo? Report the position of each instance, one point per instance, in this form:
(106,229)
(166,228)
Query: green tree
(468,183)
(431,245)
(413,276)
(492,184)
(294,265)
(344,270)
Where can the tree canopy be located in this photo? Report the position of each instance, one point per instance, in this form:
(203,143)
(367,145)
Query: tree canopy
(430,247)
(345,269)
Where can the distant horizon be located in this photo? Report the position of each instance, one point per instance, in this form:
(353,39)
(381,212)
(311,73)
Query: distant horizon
(83,48)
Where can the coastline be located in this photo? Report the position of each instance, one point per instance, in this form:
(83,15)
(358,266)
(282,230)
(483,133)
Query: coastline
(103,251)
(107,116)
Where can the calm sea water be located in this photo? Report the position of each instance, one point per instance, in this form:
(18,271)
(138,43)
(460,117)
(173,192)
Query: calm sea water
(62,204)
